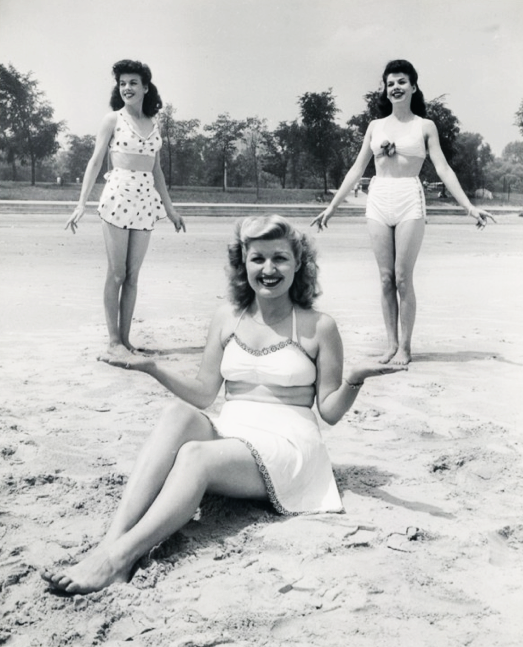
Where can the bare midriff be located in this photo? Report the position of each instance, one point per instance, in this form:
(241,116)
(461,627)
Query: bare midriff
(298,396)
(398,166)
(132,161)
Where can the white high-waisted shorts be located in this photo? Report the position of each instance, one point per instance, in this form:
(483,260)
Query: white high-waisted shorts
(393,200)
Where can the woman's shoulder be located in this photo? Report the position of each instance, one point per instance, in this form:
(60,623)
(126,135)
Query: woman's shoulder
(225,318)
(315,320)
(110,119)
(112,116)
(427,124)
(374,123)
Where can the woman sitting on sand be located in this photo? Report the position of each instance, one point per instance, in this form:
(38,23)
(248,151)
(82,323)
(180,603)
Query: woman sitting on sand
(277,355)
(135,195)
(396,202)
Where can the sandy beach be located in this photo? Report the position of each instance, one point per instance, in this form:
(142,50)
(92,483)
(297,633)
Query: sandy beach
(429,462)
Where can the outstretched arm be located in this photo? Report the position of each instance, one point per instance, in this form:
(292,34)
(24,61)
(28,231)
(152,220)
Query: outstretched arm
(351,179)
(200,391)
(448,177)
(161,187)
(93,168)
(335,394)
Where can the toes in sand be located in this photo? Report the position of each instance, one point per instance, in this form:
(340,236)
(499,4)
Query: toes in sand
(93,573)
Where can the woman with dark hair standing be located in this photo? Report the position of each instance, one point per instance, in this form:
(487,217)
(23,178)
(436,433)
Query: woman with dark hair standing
(277,355)
(395,212)
(135,195)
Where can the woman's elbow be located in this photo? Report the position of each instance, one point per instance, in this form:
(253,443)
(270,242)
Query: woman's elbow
(330,417)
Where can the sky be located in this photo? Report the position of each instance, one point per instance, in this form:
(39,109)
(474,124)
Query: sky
(256,57)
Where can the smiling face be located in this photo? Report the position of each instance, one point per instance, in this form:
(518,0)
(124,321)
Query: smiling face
(132,89)
(270,266)
(399,88)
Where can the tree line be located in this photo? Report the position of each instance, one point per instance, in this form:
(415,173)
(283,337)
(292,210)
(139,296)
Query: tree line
(312,151)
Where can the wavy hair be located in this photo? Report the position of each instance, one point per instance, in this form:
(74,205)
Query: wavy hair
(304,289)
(417,104)
(152,102)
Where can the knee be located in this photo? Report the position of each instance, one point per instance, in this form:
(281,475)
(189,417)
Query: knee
(192,455)
(175,420)
(388,282)
(404,284)
(116,275)
(177,414)
(131,278)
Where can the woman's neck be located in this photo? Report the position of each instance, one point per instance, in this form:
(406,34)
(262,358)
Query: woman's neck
(271,311)
(402,113)
(136,112)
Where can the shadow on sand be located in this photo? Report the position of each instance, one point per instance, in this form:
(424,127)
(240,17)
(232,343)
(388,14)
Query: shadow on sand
(368,481)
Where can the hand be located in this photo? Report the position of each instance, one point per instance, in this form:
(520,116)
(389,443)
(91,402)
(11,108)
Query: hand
(178,222)
(360,372)
(73,220)
(481,217)
(129,362)
(323,218)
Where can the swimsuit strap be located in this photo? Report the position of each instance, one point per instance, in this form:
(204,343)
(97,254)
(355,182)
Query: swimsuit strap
(240,318)
(294,330)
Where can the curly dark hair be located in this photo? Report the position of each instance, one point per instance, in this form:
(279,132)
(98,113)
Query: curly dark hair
(417,104)
(152,102)
(304,289)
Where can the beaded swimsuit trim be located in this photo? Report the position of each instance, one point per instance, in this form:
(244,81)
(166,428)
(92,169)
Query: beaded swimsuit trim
(273,348)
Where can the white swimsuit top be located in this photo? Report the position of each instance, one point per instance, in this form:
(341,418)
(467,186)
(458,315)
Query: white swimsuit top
(411,144)
(126,140)
(285,363)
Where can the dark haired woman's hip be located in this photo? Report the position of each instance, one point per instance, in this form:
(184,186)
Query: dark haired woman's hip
(130,200)
(394,200)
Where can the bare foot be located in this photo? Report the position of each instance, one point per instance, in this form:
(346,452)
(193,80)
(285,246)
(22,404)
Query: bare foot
(115,352)
(97,571)
(386,357)
(401,357)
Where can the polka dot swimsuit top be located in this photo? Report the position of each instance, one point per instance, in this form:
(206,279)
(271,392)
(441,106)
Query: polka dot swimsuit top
(126,140)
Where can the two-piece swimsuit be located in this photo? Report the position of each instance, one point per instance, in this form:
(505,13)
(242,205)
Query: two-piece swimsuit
(129,199)
(284,439)
(393,200)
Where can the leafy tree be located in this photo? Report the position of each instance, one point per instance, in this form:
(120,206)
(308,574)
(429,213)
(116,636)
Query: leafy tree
(470,160)
(318,111)
(503,176)
(519,118)
(225,133)
(284,147)
(78,155)
(346,147)
(357,127)
(254,136)
(187,150)
(179,154)
(513,152)
(166,125)
(361,122)
(28,130)
(447,125)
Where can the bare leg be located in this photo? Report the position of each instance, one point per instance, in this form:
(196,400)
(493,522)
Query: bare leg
(178,424)
(223,466)
(409,236)
(116,243)
(383,246)
(136,250)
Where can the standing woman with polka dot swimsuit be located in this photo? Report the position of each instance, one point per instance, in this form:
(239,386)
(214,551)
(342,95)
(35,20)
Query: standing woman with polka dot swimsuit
(135,195)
